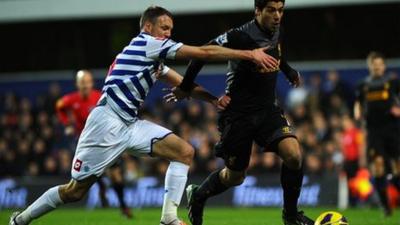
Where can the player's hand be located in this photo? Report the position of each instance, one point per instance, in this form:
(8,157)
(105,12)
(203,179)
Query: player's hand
(223,102)
(294,78)
(264,60)
(175,94)
(395,111)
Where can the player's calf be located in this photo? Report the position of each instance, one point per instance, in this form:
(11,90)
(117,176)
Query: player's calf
(232,178)
(75,190)
(53,198)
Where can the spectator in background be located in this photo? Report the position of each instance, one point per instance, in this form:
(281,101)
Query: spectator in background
(48,101)
(297,96)
(315,93)
(335,86)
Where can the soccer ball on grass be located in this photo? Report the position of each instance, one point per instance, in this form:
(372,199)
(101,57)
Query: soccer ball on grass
(331,218)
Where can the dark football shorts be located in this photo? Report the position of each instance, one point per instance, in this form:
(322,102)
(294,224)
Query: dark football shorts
(238,131)
(385,143)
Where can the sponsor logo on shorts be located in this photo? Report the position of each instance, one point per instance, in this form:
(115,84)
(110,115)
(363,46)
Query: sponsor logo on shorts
(286,130)
(77,165)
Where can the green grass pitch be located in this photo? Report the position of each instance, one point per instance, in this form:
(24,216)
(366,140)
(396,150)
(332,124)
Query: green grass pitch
(213,216)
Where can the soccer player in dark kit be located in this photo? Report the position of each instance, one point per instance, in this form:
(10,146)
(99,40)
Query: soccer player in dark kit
(378,103)
(252,114)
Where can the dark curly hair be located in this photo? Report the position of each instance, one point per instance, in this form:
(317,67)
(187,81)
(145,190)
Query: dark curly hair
(262,3)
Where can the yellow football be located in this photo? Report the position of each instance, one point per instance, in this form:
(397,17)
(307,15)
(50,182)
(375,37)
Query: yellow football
(331,218)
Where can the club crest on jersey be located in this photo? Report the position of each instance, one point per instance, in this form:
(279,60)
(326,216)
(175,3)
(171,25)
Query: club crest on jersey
(222,39)
(77,165)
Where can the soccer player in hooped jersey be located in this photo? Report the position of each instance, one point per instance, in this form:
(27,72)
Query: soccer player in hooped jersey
(114,127)
(80,103)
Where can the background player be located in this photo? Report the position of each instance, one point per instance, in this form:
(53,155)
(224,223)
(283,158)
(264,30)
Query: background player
(73,110)
(252,114)
(114,127)
(378,103)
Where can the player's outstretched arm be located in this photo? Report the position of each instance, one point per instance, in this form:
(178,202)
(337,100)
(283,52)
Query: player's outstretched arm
(174,79)
(214,52)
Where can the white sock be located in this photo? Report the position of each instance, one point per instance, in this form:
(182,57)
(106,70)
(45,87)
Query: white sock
(44,204)
(175,182)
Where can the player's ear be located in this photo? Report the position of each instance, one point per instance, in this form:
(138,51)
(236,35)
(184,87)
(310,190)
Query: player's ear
(257,12)
(147,27)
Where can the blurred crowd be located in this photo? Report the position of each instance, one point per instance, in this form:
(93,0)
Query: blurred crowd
(33,142)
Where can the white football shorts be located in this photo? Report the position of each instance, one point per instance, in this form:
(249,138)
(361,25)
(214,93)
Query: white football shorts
(105,137)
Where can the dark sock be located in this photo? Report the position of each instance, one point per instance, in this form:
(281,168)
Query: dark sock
(291,181)
(102,193)
(210,187)
(381,187)
(119,189)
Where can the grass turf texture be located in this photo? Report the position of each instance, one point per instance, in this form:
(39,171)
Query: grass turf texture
(213,216)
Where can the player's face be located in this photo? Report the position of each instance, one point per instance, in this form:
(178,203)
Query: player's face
(377,67)
(162,28)
(85,84)
(270,16)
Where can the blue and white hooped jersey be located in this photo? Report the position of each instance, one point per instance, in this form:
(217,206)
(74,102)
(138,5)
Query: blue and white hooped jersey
(134,72)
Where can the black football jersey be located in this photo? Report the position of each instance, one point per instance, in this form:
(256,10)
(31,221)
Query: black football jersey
(250,87)
(377,96)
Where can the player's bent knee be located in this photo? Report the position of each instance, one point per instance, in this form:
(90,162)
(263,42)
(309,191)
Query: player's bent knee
(294,161)
(231,179)
(187,154)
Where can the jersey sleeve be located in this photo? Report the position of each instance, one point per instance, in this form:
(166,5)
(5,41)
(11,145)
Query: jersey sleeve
(164,70)
(159,49)
(231,39)
(62,106)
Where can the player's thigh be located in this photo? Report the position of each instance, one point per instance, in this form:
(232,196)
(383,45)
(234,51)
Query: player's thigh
(100,144)
(273,129)
(236,141)
(174,148)
(147,138)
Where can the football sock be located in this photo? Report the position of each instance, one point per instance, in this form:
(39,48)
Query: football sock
(119,189)
(175,182)
(102,193)
(210,187)
(291,181)
(44,204)
(381,187)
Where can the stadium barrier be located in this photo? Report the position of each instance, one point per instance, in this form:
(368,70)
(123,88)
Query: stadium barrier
(256,191)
